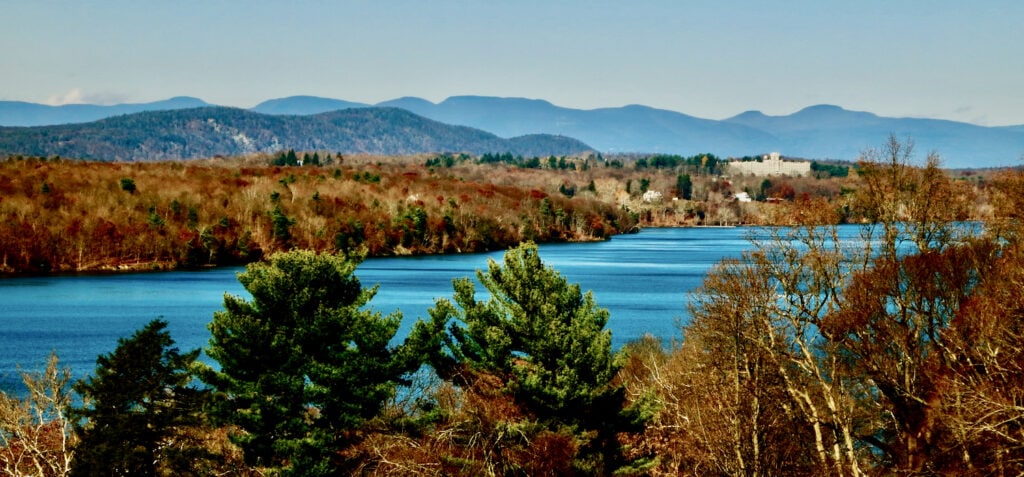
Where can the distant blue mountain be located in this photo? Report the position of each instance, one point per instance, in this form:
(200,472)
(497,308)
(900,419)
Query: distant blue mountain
(816,132)
(18,113)
(826,131)
(627,129)
(1019,128)
(302,105)
(408,103)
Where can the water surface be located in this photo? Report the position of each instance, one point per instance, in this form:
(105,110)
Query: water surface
(643,279)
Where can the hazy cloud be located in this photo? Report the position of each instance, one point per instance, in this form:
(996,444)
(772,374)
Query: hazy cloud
(77,96)
(71,97)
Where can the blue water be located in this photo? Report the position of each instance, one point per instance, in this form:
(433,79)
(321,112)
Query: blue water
(643,279)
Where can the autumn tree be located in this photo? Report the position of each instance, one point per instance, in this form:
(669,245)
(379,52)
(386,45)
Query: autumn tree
(756,324)
(864,334)
(920,323)
(980,411)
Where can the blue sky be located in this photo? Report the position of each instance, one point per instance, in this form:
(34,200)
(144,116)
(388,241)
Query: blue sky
(713,59)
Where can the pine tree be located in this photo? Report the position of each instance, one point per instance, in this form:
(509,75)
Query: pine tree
(302,365)
(281,225)
(128,185)
(548,341)
(684,187)
(134,404)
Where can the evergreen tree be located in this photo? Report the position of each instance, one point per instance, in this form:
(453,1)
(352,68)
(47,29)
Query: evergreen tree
(302,365)
(684,187)
(548,341)
(766,185)
(134,404)
(128,185)
(281,225)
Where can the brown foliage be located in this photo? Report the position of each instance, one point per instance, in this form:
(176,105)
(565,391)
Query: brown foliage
(476,429)
(731,399)
(897,353)
(60,215)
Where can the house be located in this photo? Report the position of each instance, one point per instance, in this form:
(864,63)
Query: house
(652,196)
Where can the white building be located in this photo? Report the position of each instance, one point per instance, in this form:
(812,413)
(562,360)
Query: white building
(770,165)
(653,196)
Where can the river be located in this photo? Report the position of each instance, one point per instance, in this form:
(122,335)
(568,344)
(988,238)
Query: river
(643,279)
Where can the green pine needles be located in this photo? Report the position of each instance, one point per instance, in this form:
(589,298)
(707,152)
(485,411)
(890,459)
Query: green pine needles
(137,407)
(302,365)
(548,342)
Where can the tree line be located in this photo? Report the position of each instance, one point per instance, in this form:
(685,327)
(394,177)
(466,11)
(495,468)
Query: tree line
(896,354)
(61,215)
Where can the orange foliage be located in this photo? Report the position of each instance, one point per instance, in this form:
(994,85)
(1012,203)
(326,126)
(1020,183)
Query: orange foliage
(64,216)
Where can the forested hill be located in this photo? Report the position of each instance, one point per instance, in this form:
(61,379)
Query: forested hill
(212,131)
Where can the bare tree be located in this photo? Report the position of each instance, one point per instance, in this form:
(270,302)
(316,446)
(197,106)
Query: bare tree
(865,336)
(35,432)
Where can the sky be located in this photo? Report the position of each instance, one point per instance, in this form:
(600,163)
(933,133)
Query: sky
(944,59)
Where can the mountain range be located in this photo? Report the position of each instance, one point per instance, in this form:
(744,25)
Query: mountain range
(215,130)
(815,132)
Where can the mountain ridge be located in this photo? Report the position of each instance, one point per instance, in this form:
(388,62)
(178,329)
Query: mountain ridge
(304,105)
(822,131)
(217,130)
(21,113)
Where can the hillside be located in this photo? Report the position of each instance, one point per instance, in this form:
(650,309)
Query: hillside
(213,131)
(69,215)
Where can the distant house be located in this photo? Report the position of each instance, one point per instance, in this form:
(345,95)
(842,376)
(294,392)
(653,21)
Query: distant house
(743,197)
(653,196)
(770,165)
